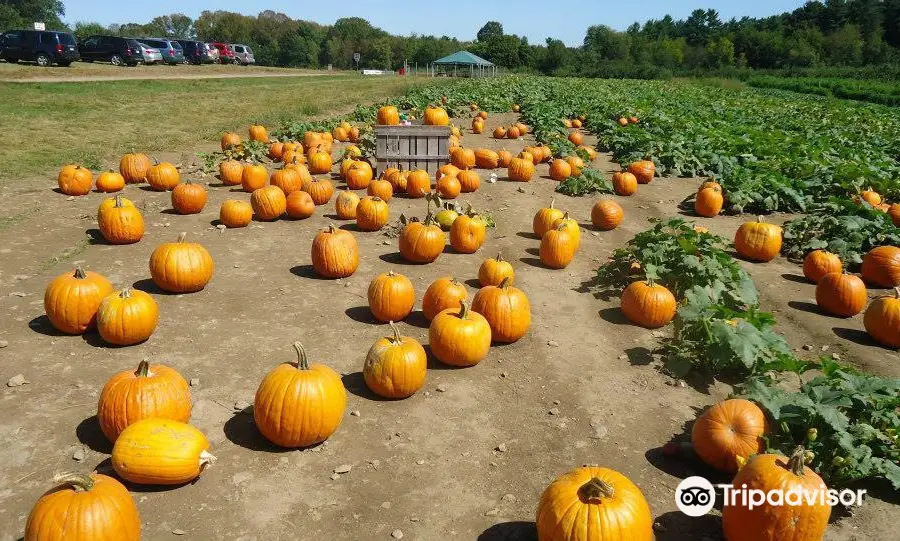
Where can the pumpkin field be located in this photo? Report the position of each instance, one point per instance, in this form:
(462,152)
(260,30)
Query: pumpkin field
(611,286)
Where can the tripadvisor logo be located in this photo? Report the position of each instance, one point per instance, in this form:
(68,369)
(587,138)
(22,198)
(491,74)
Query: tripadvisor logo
(696,496)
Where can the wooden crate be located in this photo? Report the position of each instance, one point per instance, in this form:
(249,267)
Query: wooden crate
(412,147)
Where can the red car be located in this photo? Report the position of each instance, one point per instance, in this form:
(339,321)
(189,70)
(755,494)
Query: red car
(226,55)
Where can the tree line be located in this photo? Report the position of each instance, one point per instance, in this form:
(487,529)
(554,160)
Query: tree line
(833,33)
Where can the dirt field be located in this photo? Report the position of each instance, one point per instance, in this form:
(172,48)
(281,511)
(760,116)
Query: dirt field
(101,71)
(466,458)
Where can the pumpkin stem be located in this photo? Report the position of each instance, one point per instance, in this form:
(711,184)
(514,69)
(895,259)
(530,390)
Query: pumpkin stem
(897,292)
(396,338)
(143,369)
(552,202)
(125,293)
(505,283)
(302,362)
(182,236)
(206,460)
(331,228)
(119,203)
(795,463)
(499,258)
(80,482)
(759,219)
(595,490)
(79,273)
(463,309)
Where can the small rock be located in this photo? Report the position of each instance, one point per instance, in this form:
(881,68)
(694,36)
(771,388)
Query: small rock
(553,343)
(237,266)
(492,513)
(622,357)
(18,294)
(3,344)
(504,375)
(386,242)
(17,381)
(343,468)
(195,382)
(177,531)
(426,394)
(501,448)
(70,198)
(420,462)
(355,413)
(494,464)
(659,527)
(414,519)
(335,477)
(397,534)
(836,356)
(78,454)
(241,405)
(167,224)
(556,402)
(595,234)
(521,190)
(441,388)
(386,505)
(682,384)
(511,498)
(554,411)
(600,432)
(808,347)
(826,347)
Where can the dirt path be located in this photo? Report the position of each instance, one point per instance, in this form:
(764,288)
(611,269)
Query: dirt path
(87,72)
(582,387)
(148,76)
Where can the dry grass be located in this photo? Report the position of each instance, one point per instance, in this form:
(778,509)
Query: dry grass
(46,125)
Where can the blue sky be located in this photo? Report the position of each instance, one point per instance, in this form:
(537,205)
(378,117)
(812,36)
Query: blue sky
(536,19)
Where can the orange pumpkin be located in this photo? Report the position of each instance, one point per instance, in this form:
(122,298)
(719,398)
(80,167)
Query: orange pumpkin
(231,172)
(388,115)
(544,218)
(421,242)
(758,241)
(709,202)
(469,180)
(397,178)
(128,317)
(235,213)
(253,177)
(765,473)
(443,294)
(513,132)
(189,198)
(72,299)
(493,271)
(576,163)
(504,157)
(158,451)
(345,205)
(299,205)
(818,263)
(449,187)
(258,133)
(299,405)
(576,138)
(841,294)
(728,433)
(521,169)
(75,180)
(122,223)
(499,132)
(371,214)
(335,253)
(163,176)
(181,267)
(871,197)
(463,158)
(558,247)
(132,395)
(287,179)
(381,189)
(276,151)
(83,508)
(467,232)
(268,203)
(643,171)
(134,167)
(477,125)
(648,305)
(606,214)
(435,116)
(881,266)
(320,190)
(882,320)
(418,183)
(459,336)
(506,309)
(560,170)
(624,183)
(359,175)
(391,297)
(594,504)
(894,211)
(395,366)
(486,158)
(230,139)
(572,228)
(319,161)
(110,181)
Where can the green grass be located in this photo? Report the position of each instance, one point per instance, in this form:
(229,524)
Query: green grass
(46,125)
(881,92)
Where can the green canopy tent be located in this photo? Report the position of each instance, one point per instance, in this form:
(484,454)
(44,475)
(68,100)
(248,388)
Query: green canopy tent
(463,63)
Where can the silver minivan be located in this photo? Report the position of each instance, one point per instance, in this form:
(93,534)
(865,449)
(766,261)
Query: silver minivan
(242,54)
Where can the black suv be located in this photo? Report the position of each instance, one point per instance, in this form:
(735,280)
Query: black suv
(196,52)
(114,49)
(44,47)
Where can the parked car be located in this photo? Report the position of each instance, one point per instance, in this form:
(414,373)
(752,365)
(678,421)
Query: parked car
(242,54)
(170,49)
(213,52)
(226,56)
(114,49)
(150,55)
(196,52)
(44,47)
